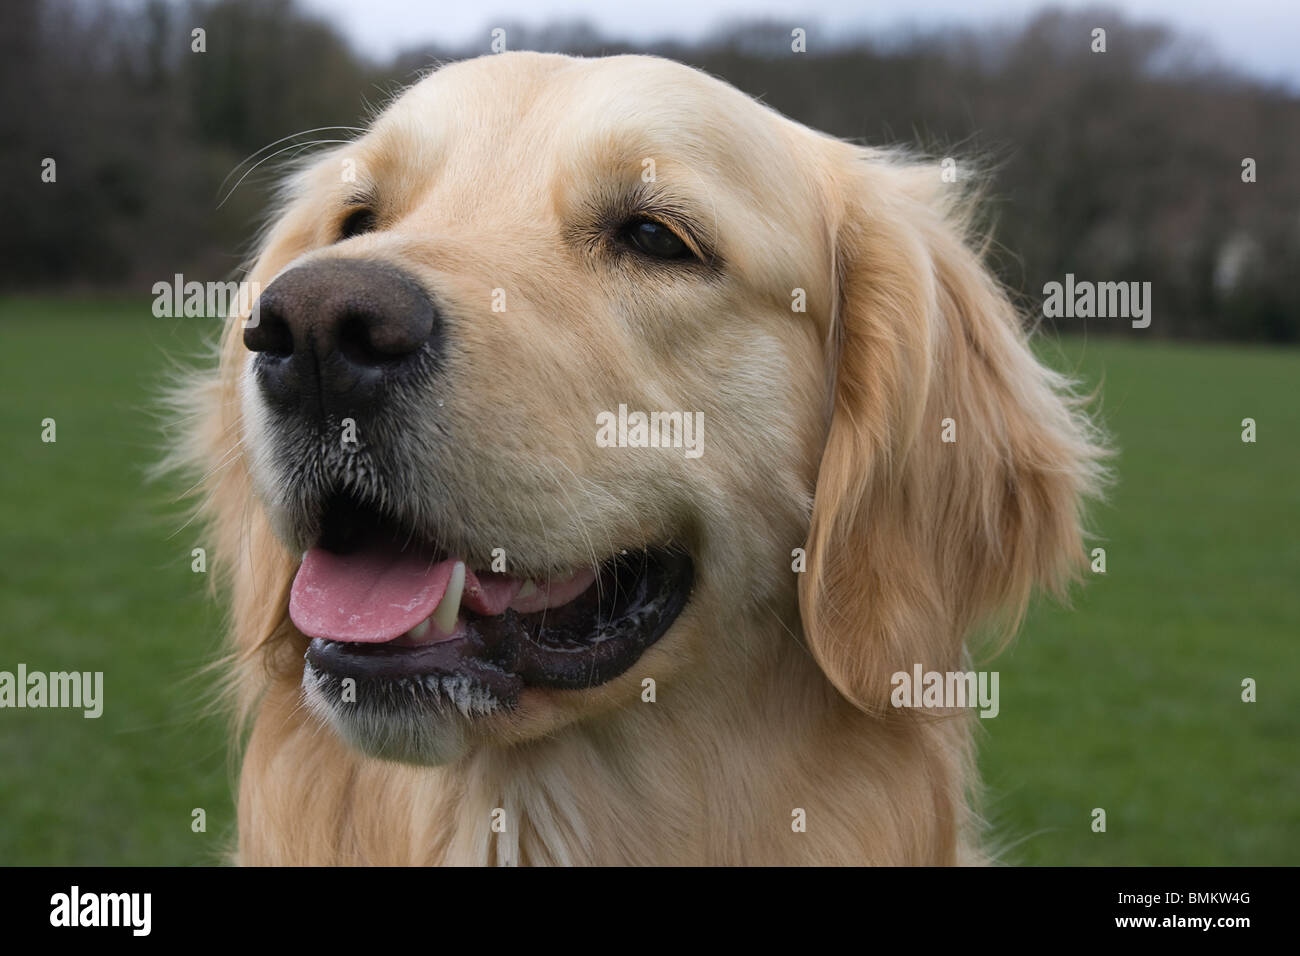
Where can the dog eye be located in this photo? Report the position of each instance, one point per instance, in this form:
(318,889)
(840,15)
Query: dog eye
(358,222)
(655,239)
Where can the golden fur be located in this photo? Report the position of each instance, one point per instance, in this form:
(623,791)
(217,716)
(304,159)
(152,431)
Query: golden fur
(823,433)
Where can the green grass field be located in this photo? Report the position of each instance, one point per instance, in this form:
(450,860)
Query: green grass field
(1129,702)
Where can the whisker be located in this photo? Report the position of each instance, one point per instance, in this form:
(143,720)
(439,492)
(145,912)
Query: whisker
(297,146)
(233,454)
(302,132)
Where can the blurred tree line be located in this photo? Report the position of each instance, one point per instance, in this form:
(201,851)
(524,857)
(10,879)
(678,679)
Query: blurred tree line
(1125,165)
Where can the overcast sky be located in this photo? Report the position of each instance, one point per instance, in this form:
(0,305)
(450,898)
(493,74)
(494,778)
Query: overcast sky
(1259,36)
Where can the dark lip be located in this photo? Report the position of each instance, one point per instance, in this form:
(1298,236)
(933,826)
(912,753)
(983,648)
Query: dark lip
(588,642)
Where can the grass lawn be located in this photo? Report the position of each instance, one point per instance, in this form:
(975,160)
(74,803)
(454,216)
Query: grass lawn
(94,577)
(1129,702)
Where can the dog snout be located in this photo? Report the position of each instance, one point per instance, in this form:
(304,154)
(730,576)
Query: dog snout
(331,336)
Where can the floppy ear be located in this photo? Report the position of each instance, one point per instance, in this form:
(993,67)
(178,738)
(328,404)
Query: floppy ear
(955,464)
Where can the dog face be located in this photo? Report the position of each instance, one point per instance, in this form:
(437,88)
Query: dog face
(463,307)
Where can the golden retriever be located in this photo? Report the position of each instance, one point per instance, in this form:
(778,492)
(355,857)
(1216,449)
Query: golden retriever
(483,613)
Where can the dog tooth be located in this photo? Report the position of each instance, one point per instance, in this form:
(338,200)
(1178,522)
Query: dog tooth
(449,607)
(529,589)
(419,630)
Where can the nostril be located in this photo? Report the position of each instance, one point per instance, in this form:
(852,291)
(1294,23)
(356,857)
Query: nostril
(364,339)
(270,335)
(354,341)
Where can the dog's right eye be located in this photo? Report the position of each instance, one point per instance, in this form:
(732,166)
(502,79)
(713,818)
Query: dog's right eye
(359,221)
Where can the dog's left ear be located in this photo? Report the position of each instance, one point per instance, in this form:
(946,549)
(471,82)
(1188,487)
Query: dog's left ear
(955,465)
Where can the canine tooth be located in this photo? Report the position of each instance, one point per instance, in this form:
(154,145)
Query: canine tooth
(529,589)
(449,607)
(420,629)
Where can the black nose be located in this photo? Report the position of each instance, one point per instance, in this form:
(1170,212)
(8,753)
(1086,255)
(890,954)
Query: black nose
(333,336)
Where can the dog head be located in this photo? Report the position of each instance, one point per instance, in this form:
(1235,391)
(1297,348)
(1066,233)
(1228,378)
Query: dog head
(558,364)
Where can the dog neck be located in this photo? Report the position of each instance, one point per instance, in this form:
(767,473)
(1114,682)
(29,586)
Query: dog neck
(772,768)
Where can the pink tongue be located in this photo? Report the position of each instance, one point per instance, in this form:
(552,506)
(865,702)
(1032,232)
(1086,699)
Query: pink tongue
(368,596)
(377,593)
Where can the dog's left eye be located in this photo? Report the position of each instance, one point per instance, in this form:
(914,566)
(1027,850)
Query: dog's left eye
(655,239)
(358,222)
